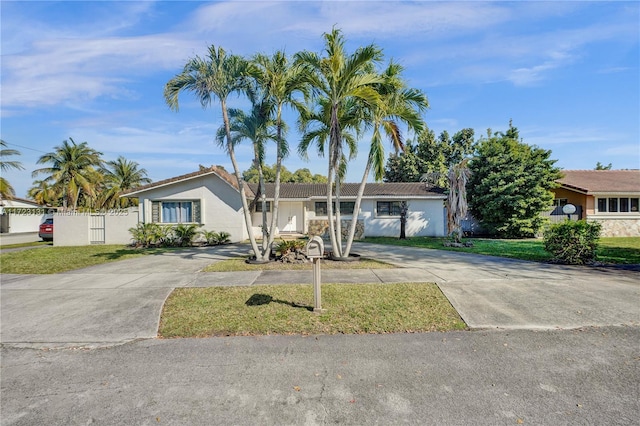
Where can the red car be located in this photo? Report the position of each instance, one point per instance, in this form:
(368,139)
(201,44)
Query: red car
(46,230)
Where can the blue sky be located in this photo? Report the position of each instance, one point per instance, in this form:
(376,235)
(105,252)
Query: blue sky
(567,73)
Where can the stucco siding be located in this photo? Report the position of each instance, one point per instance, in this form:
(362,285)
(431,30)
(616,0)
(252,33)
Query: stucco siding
(425,218)
(220,204)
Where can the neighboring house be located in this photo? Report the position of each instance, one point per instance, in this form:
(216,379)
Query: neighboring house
(610,197)
(19,215)
(210,198)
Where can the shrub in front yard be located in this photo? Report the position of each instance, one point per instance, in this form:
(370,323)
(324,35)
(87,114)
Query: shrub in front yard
(214,238)
(573,242)
(184,234)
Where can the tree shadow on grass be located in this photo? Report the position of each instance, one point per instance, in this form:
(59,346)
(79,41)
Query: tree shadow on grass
(120,253)
(264,299)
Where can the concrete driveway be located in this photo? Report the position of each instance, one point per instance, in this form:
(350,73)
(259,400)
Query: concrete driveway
(101,305)
(493,292)
(119,302)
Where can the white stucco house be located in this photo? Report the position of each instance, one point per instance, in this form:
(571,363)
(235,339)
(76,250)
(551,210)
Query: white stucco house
(18,215)
(210,197)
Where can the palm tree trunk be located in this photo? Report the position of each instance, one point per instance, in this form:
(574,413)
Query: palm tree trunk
(243,196)
(338,217)
(356,210)
(332,236)
(276,194)
(262,193)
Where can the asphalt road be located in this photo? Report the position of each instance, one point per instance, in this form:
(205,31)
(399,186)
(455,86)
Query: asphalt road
(571,377)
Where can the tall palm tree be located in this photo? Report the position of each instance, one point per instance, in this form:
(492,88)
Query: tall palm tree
(121,175)
(6,190)
(340,78)
(254,127)
(73,170)
(399,104)
(216,76)
(279,81)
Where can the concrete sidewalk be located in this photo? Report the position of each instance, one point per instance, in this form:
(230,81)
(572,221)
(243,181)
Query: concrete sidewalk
(121,301)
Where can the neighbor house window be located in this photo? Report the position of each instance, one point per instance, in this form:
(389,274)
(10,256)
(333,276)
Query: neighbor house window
(346,207)
(615,205)
(259,207)
(389,208)
(175,211)
(560,202)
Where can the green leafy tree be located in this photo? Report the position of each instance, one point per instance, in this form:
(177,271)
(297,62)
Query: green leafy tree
(343,85)
(72,172)
(510,185)
(305,176)
(430,158)
(404,166)
(6,190)
(600,166)
(252,175)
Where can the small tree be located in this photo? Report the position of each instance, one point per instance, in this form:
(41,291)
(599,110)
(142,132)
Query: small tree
(573,242)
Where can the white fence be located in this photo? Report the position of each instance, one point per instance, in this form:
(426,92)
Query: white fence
(81,229)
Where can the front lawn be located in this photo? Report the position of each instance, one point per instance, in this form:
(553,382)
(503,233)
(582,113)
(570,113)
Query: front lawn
(60,259)
(619,250)
(287,309)
(239,264)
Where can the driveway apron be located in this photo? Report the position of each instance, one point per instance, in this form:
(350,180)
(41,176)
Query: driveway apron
(97,306)
(493,292)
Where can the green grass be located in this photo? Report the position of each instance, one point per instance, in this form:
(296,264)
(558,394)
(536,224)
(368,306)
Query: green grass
(60,259)
(287,309)
(31,244)
(239,264)
(619,250)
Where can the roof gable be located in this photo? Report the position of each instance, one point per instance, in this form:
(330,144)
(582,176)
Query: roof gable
(204,171)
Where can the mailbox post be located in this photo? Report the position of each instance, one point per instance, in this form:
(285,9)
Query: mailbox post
(315,252)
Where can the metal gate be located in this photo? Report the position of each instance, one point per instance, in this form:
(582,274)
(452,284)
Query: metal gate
(96,229)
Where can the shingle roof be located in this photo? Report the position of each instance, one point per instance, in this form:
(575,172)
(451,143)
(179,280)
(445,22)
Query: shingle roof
(350,190)
(217,170)
(601,181)
(303,190)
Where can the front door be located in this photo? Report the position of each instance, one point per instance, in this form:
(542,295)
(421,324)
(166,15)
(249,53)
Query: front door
(288,216)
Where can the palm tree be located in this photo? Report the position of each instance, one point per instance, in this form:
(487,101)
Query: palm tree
(339,79)
(457,207)
(215,76)
(254,127)
(121,175)
(43,193)
(6,190)
(398,104)
(72,171)
(279,81)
